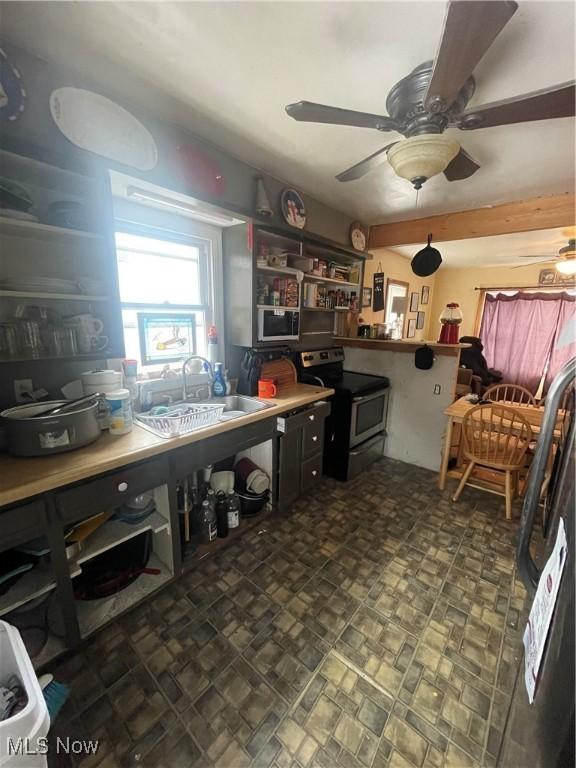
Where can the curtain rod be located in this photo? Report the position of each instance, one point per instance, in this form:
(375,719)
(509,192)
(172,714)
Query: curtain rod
(560,287)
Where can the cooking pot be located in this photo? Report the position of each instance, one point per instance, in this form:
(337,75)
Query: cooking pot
(32,435)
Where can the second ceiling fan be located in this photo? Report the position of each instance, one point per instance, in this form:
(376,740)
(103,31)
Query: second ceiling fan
(433,97)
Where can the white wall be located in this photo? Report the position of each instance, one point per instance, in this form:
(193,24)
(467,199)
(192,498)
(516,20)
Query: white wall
(416,420)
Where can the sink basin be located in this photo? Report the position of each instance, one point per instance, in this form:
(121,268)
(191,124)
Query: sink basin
(235,405)
(175,422)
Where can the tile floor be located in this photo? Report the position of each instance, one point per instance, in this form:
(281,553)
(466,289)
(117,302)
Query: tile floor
(375,625)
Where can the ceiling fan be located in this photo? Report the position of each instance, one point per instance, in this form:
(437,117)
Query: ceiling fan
(564,262)
(433,98)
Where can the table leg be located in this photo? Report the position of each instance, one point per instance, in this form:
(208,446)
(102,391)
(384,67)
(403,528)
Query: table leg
(445,454)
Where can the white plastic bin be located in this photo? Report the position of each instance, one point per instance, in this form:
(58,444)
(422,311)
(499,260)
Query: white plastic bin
(32,723)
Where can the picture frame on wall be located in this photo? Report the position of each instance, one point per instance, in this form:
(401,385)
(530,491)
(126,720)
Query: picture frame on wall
(547,277)
(411,332)
(420,317)
(425,295)
(366,297)
(414,297)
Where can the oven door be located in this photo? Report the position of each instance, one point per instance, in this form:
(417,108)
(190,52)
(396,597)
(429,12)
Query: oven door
(368,416)
(278,325)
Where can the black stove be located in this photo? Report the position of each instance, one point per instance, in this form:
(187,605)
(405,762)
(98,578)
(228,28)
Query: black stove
(356,427)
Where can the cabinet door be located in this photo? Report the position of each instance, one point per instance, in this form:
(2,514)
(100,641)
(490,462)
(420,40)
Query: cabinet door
(290,467)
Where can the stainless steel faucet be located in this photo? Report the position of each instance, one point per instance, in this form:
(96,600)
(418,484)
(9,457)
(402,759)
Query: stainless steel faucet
(184,371)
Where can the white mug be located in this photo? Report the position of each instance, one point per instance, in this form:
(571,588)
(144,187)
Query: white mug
(88,329)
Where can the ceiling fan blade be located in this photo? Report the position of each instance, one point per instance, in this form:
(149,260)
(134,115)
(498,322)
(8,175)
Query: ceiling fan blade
(543,261)
(470,28)
(366,165)
(557,101)
(462,167)
(310,112)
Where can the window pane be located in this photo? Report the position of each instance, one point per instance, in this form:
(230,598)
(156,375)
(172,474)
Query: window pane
(157,271)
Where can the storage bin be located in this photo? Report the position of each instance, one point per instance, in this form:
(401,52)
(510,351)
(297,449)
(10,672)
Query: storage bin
(32,723)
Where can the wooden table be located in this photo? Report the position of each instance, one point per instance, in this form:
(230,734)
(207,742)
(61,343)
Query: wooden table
(459,408)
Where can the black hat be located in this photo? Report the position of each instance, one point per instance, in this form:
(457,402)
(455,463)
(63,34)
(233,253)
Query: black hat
(427,260)
(424,358)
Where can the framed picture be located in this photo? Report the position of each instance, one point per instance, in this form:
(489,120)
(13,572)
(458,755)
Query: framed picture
(414,302)
(166,337)
(425,294)
(547,277)
(411,328)
(366,297)
(293,208)
(420,320)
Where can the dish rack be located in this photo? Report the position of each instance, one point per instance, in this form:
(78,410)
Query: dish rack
(181,419)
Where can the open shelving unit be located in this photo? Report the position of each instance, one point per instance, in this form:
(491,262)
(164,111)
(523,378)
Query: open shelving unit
(50,296)
(44,232)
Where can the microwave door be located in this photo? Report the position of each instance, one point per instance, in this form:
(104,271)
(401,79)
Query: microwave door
(277,325)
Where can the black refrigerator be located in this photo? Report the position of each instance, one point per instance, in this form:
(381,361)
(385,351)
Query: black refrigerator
(539,731)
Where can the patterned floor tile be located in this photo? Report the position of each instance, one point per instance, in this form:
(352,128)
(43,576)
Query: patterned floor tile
(375,625)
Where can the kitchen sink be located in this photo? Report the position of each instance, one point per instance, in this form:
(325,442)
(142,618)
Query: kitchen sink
(235,403)
(178,419)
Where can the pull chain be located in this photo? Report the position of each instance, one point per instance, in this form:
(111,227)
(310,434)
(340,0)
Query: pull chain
(417,192)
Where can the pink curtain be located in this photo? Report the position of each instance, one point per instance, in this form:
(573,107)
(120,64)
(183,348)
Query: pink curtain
(564,345)
(518,334)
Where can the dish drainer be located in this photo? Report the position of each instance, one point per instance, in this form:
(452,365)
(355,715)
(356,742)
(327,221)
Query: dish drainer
(181,419)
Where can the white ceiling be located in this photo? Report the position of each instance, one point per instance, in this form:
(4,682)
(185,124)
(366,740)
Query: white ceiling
(235,65)
(496,251)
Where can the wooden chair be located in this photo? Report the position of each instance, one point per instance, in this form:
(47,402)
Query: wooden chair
(513,394)
(496,437)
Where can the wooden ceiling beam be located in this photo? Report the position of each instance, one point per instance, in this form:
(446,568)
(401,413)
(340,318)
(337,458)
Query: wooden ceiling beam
(522,216)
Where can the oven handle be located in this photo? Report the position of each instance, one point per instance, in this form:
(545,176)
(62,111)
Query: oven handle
(371,396)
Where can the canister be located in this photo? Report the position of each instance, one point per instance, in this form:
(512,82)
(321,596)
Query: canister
(120,418)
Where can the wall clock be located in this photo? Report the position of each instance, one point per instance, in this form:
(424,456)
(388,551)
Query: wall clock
(293,208)
(12,92)
(358,236)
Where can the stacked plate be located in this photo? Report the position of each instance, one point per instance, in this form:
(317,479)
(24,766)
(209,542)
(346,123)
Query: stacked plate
(33,284)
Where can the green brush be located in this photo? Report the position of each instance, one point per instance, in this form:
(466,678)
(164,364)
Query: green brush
(55,695)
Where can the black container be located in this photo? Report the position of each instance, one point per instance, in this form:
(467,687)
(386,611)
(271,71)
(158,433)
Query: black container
(221,515)
(252,503)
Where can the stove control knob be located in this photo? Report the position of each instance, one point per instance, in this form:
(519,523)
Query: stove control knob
(122,486)
(323,355)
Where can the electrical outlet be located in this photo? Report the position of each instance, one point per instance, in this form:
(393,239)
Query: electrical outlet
(437,389)
(21,386)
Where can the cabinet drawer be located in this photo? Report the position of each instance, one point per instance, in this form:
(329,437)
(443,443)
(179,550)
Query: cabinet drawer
(312,415)
(311,472)
(108,491)
(21,524)
(313,438)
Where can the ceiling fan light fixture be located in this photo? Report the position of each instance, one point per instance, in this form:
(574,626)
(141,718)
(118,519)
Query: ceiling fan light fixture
(420,157)
(567,267)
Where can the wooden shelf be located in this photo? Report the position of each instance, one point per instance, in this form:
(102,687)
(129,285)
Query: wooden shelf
(282,270)
(326,309)
(22,228)
(273,306)
(92,614)
(331,280)
(317,333)
(215,546)
(30,585)
(63,296)
(114,532)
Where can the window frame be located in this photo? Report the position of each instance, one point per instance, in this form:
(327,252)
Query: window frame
(208,240)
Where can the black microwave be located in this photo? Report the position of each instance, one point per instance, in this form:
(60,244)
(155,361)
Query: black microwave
(276,324)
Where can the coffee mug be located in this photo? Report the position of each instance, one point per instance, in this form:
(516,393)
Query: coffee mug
(267,388)
(88,329)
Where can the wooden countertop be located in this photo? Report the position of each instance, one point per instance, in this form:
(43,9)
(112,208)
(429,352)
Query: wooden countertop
(404,345)
(21,478)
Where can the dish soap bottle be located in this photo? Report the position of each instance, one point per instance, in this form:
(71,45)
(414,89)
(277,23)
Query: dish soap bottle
(219,383)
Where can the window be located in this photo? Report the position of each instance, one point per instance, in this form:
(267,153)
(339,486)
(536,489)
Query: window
(169,274)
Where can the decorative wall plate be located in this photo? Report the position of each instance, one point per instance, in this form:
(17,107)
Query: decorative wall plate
(99,125)
(358,235)
(12,91)
(293,208)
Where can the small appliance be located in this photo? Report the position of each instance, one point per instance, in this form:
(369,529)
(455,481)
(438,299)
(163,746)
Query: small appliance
(276,324)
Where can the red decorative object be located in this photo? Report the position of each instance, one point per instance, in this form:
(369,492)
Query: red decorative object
(202,171)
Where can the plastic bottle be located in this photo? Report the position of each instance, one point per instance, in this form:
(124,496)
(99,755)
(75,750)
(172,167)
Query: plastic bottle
(222,515)
(233,510)
(209,527)
(211,498)
(212,344)
(219,383)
